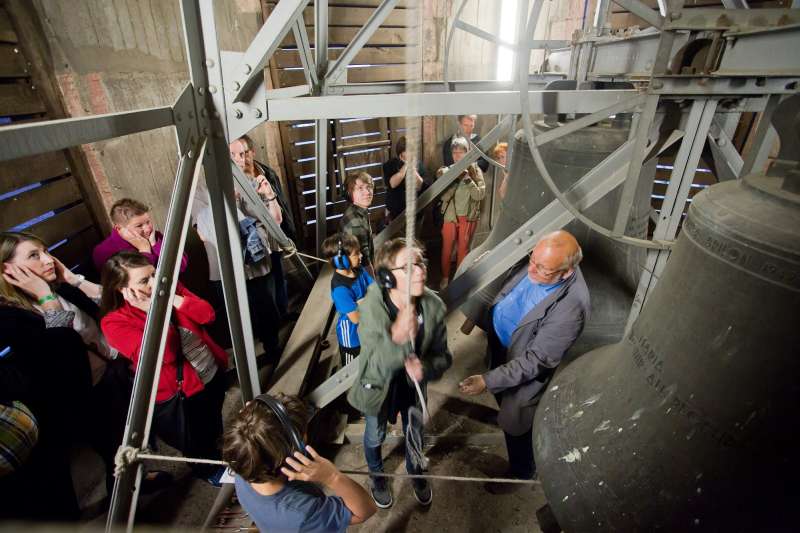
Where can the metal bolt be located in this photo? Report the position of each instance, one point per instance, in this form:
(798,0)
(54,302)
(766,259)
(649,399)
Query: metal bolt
(238,113)
(161,293)
(236,86)
(675,15)
(164,279)
(178,116)
(212,89)
(203,112)
(722,141)
(257,113)
(529,233)
(190,154)
(247,69)
(200,90)
(517,241)
(191,114)
(209,63)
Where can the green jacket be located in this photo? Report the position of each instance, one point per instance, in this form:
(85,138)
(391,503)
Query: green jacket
(381,358)
(463,197)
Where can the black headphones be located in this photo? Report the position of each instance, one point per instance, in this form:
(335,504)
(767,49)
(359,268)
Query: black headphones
(341,260)
(295,438)
(385,278)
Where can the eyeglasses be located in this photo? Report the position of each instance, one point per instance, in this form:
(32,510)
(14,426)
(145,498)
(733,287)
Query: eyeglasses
(421,264)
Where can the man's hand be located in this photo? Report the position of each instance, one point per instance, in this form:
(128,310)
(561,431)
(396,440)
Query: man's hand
(263,187)
(472,385)
(317,469)
(137,241)
(405,325)
(414,368)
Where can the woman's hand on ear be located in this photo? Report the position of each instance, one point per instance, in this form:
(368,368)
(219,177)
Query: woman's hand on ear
(136,298)
(63,274)
(24,279)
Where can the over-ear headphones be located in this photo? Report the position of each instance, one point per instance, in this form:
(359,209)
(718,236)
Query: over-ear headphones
(295,438)
(341,259)
(385,278)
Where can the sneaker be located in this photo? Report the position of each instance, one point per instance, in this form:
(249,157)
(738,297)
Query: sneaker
(381,493)
(423,492)
(215,479)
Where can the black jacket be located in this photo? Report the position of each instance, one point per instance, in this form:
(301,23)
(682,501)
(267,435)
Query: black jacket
(287,225)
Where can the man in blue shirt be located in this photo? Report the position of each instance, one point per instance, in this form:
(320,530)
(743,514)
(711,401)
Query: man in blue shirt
(534,319)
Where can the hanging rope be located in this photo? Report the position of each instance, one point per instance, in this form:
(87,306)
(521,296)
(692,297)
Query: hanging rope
(127,455)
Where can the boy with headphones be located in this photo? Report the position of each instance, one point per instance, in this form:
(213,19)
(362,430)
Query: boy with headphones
(348,285)
(388,366)
(268,431)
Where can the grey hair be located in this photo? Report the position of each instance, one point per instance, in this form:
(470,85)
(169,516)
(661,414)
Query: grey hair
(573,260)
(459,142)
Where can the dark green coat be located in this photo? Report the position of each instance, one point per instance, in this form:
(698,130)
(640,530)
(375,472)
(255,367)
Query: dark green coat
(381,358)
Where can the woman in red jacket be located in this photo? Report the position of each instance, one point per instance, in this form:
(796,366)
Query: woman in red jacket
(127,287)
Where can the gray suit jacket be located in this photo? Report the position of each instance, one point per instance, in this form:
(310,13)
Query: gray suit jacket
(538,344)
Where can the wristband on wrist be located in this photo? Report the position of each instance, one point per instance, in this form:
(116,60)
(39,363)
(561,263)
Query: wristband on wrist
(46,298)
(79,278)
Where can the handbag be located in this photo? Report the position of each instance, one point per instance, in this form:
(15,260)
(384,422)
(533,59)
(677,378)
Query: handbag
(169,417)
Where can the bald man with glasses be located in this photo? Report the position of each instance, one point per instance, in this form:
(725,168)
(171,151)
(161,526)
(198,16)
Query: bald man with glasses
(532,322)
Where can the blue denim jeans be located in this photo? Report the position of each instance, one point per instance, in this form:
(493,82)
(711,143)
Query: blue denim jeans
(374,435)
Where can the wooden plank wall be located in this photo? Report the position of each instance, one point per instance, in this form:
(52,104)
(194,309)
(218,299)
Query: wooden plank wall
(41,194)
(384,58)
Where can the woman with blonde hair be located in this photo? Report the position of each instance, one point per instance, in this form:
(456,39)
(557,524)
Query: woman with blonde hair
(49,322)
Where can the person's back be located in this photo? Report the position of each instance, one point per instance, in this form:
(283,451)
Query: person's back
(297,506)
(288,498)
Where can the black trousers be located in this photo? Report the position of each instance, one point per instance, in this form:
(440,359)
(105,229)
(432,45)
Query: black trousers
(203,425)
(263,311)
(281,290)
(519,448)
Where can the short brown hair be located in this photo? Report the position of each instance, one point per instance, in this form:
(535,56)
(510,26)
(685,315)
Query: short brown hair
(388,251)
(255,443)
(351,180)
(330,246)
(400,147)
(127,208)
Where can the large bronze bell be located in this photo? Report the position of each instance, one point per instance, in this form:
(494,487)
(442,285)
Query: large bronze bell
(690,422)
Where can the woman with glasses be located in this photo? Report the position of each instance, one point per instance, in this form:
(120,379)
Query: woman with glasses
(403,339)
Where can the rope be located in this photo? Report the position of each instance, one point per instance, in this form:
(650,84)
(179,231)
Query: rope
(127,455)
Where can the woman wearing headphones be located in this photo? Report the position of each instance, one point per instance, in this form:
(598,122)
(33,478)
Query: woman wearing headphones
(391,323)
(191,386)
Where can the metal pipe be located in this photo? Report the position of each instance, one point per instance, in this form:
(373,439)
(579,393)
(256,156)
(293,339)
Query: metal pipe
(140,412)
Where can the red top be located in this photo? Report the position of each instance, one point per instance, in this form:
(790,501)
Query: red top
(124,329)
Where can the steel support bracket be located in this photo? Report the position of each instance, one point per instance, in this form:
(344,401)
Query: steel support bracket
(243,115)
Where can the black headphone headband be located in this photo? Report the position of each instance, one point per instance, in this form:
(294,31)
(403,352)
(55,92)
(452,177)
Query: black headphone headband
(295,438)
